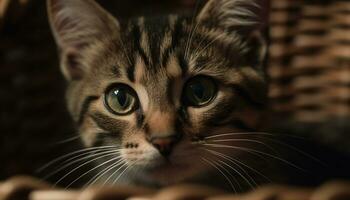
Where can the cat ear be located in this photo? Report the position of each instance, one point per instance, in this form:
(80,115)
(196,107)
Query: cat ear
(76,24)
(242,17)
(230,14)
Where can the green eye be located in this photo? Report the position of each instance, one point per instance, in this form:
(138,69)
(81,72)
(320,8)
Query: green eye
(121,99)
(199,91)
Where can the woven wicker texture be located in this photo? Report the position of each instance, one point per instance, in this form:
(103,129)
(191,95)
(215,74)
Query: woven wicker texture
(310,59)
(26,188)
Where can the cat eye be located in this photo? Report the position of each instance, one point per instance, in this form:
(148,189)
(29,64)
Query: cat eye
(121,99)
(199,91)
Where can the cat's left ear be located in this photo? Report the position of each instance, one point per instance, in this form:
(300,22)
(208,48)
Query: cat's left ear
(76,24)
(242,17)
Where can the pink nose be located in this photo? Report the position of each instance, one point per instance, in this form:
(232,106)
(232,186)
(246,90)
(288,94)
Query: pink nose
(164,144)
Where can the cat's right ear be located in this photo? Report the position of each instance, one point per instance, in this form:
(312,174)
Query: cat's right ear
(242,17)
(76,24)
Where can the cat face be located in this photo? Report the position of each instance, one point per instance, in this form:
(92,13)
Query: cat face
(156,90)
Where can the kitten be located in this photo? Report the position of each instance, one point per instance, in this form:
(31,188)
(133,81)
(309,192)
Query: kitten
(163,100)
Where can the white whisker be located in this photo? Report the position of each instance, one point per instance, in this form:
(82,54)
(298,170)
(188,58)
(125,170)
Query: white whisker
(103,172)
(239,173)
(70,154)
(77,161)
(217,168)
(245,140)
(213,138)
(235,163)
(88,154)
(85,163)
(252,133)
(116,171)
(67,140)
(108,161)
(255,152)
(121,174)
(239,162)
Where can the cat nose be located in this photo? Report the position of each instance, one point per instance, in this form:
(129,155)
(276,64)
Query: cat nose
(165,144)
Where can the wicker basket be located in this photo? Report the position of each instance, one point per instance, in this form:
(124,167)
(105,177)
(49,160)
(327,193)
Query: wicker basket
(310,59)
(22,188)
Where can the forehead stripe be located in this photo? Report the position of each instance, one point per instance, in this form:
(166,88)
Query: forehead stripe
(138,50)
(183,63)
(137,38)
(176,34)
(130,71)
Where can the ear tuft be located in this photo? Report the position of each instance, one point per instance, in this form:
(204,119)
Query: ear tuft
(77,24)
(230,14)
(239,17)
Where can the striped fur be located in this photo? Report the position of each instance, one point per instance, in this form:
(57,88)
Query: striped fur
(155,57)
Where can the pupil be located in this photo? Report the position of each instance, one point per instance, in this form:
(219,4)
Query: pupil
(122,97)
(198,90)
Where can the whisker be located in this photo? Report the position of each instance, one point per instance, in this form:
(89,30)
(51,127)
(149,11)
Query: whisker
(138,170)
(258,155)
(70,154)
(121,174)
(87,155)
(217,168)
(252,151)
(270,139)
(239,167)
(252,133)
(228,172)
(107,180)
(245,140)
(242,163)
(108,161)
(298,150)
(85,163)
(103,172)
(77,161)
(67,140)
(240,174)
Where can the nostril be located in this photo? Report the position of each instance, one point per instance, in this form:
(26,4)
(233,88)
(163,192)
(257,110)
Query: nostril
(165,150)
(164,144)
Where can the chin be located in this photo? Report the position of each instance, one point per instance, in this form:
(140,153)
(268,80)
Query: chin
(169,172)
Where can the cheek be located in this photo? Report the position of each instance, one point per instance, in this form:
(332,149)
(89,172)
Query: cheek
(89,132)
